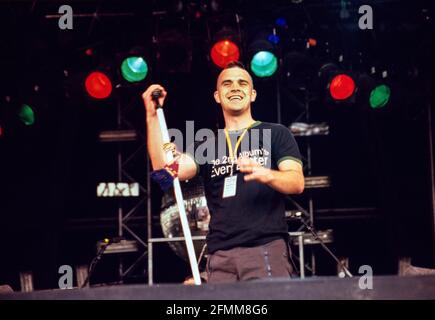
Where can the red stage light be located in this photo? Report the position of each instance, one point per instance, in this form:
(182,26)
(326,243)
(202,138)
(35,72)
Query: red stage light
(98,85)
(223,52)
(312,42)
(342,87)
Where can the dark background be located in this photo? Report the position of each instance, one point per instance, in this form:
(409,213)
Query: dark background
(378,160)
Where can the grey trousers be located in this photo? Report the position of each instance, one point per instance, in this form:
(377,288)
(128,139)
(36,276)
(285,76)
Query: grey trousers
(241,263)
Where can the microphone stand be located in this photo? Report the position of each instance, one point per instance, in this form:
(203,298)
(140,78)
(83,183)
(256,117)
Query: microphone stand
(310,228)
(178,195)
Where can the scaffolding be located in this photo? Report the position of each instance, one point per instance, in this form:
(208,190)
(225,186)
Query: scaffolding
(129,240)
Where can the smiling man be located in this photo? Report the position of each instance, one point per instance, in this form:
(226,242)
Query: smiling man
(245,183)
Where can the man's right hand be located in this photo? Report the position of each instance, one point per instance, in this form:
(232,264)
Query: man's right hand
(148,101)
(187,168)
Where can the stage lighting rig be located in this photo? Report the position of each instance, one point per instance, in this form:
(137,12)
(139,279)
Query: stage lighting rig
(262,54)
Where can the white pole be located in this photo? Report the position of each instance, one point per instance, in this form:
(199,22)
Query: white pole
(180,203)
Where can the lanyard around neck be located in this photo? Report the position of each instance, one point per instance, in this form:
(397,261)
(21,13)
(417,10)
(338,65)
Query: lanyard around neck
(239,140)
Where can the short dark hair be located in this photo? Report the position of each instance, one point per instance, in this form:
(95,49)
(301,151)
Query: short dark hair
(235,64)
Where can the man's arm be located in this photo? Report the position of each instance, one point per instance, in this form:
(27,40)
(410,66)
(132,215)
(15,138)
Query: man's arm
(289,179)
(187,166)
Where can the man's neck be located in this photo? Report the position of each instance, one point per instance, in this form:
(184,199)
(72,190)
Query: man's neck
(233,123)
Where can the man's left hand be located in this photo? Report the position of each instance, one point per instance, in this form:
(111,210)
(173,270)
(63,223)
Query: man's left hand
(254,171)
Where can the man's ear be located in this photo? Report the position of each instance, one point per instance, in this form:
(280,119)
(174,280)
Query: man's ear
(216,97)
(253,95)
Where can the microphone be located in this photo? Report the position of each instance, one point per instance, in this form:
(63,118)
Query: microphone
(108,241)
(155,95)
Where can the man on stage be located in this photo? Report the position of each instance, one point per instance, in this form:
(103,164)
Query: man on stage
(245,182)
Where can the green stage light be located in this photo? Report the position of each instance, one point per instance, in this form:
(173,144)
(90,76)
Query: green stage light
(26,115)
(264,64)
(380,96)
(134,69)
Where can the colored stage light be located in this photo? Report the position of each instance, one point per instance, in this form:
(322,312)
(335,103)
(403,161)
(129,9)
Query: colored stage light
(341,87)
(262,54)
(224,52)
(312,42)
(26,115)
(134,69)
(273,38)
(98,85)
(379,96)
(264,64)
(281,22)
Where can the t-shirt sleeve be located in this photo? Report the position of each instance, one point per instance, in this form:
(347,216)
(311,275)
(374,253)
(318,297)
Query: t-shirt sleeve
(284,145)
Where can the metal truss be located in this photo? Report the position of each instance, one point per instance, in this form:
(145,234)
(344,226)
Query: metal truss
(130,210)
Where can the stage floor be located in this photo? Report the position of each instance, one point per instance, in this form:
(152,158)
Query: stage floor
(323,288)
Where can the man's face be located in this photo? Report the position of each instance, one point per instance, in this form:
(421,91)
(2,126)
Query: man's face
(235,90)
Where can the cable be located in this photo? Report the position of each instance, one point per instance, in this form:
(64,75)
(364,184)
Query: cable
(314,233)
(95,261)
(202,253)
